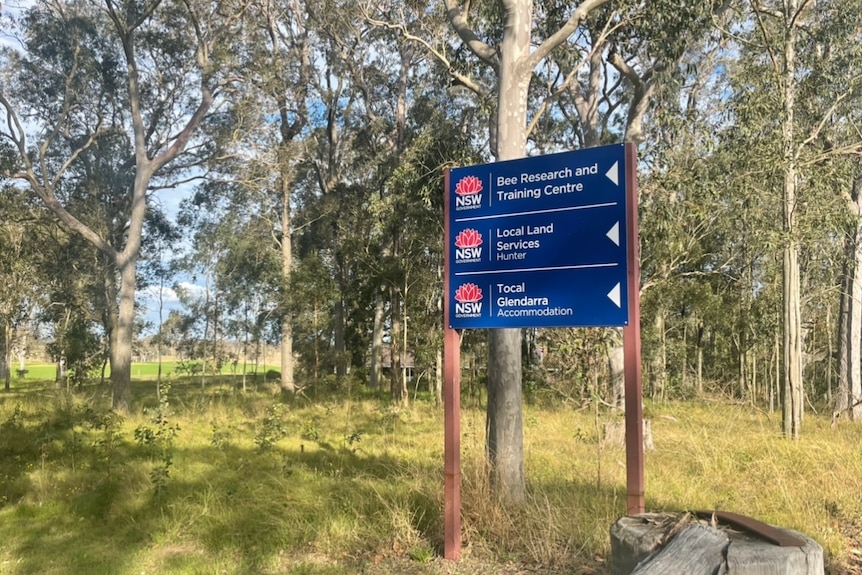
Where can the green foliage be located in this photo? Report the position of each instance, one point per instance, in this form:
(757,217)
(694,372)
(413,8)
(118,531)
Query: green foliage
(82,350)
(159,437)
(227,509)
(220,438)
(272,429)
(104,430)
(310,431)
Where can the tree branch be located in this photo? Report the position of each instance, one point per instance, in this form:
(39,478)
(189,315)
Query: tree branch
(579,15)
(462,79)
(482,50)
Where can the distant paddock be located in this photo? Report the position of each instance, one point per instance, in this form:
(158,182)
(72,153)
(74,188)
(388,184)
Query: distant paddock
(144,370)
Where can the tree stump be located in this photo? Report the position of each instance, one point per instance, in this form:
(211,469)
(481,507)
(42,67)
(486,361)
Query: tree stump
(669,544)
(615,434)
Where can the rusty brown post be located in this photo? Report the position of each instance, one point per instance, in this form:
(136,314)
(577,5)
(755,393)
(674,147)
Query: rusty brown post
(451,413)
(632,349)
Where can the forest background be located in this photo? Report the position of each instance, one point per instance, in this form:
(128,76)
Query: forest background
(308,143)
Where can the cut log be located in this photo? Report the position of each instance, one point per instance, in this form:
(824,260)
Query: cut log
(696,550)
(635,538)
(668,544)
(749,555)
(615,434)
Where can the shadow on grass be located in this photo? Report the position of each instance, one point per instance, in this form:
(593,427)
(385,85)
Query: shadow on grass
(80,494)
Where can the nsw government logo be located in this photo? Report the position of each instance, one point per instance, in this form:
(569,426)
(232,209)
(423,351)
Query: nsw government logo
(468,248)
(468,301)
(468,193)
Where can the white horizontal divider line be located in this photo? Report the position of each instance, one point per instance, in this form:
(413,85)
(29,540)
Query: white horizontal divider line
(516,270)
(549,211)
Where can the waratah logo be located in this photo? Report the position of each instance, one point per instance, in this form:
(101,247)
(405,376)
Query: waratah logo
(468,300)
(467,248)
(468,193)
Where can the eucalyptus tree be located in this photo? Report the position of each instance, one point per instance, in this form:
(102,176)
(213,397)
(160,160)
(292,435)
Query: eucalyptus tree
(799,76)
(73,280)
(499,48)
(290,138)
(409,215)
(504,44)
(21,261)
(829,94)
(232,245)
(249,278)
(264,141)
(148,74)
(336,237)
(599,87)
(411,132)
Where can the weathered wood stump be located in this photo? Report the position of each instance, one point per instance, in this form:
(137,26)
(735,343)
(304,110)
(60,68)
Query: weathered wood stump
(615,434)
(672,544)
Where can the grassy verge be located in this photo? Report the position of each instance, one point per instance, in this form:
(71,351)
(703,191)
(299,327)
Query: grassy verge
(217,481)
(145,370)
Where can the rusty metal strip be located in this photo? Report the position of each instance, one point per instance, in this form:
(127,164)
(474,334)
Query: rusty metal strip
(750,525)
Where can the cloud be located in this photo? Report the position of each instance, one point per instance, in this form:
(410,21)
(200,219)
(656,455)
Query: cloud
(193,290)
(169,294)
(151,293)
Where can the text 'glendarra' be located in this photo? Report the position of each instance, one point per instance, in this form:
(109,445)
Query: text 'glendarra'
(534,193)
(512,300)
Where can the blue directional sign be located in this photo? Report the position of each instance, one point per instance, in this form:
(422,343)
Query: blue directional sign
(539,242)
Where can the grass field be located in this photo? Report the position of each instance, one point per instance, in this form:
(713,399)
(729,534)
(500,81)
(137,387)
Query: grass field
(140,370)
(214,481)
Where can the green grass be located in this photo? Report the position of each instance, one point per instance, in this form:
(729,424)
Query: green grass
(142,370)
(336,486)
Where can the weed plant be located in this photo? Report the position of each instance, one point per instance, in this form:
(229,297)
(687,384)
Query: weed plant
(222,481)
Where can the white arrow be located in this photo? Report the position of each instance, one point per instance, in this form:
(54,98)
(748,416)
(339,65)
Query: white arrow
(614,234)
(614,174)
(614,295)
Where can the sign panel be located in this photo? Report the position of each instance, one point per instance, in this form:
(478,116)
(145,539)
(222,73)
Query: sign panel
(539,242)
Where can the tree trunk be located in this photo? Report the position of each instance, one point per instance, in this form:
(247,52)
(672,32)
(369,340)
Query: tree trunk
(121,339)
(842,394)
(245,350)
(505,437)
(316,325)
(206,333)
(684,374)
(659,361)
(340,345)
(438,377)
(159,336)
(850,322)
(215,367)
(405,390)
(505,440)
(287,384)
(22,350)
(396,353)
(792,385)
(699,375)
(6,357)
(854,332)
(829,351)
(616,368)
(376,343)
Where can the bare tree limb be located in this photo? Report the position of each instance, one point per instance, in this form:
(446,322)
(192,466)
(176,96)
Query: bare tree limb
(482,50)
(579,15)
